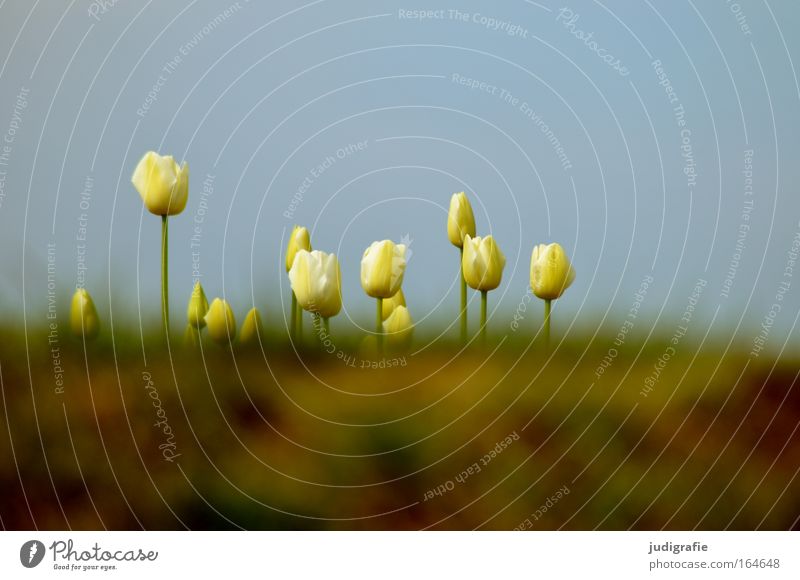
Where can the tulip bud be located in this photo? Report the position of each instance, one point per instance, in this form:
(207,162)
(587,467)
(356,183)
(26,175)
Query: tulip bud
(382,269)
(399,326)
(198,307)
(390,304)
(83,319)
(162,183)
(483,263)
(460,219)
(298,240)
(317,282)
(251,328)
(551,272)
(220,321)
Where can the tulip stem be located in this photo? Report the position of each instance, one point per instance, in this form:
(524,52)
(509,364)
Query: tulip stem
(293,321)
(299,315)
(484,301)
(326,322)
(164,274)
(547,324)
(463,298)
(379,326)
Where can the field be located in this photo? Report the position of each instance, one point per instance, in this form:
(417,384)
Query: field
(499,438)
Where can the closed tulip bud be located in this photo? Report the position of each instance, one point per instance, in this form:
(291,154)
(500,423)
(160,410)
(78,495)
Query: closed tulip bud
(299,240)
(382,269)
(162,183)
(483,263)
(399,326)
(83,319)
(390,304)
(251,328)
(317,282)
(551,271)
(220,321)
(198,307)
(460,219)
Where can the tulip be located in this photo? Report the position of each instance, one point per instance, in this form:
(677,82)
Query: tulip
(461,223)
(551,275)
(298,240)
(390,304)
(251,328)
(83,319)
(197,308)
(382,268)
(164,188)
(399,327)
(220,321)
(317,283)
(482,265)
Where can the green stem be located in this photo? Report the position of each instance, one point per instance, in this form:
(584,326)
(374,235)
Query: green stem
(379,326)
(484,301)
(293,321)
(164,274)
(547,324)
(326,322)
(463,298)
(299,327)
(318,327)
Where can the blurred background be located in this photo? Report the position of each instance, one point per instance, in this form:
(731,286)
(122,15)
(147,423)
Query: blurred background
(656,142)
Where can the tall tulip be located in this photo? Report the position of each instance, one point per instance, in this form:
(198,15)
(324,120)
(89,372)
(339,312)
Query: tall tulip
(317,282)
(461,223)
(251,328)
(399,327)
(382,268)
(221,322)
(195,315)
(551,275)
(83,319)
(299,239)
(482,265)
(164,188)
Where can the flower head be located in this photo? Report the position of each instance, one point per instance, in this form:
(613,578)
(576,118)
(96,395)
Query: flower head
(382,269)
(251,328)
(220,321)
(197,307)
(460,219)
(83,319)
(551,271)
(317,282)
(390,304)
(162,183)
(298,240)
(399,326)
(483,263)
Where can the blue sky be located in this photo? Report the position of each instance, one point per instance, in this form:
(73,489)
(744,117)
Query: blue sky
(621,130)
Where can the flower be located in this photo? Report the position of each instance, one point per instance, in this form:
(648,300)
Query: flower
(220,321)
(483,263)
(298,240)
(317,282)
(83,320)
(198,307)
(162,183)
(382,269)
(390,304)
(460,219)
(399,326)
(251,327)
(551,272)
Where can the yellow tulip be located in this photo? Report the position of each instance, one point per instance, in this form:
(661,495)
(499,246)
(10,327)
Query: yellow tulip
(382,269)
(390,304)
(83,319)
(198,307)
(399,326)
(162,183)
(317,282)
(251,328)
(220,321)
(483,263)
(460,219)
(551,271)
(299,240)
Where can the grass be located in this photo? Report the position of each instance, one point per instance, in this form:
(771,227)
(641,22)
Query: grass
(274,438)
